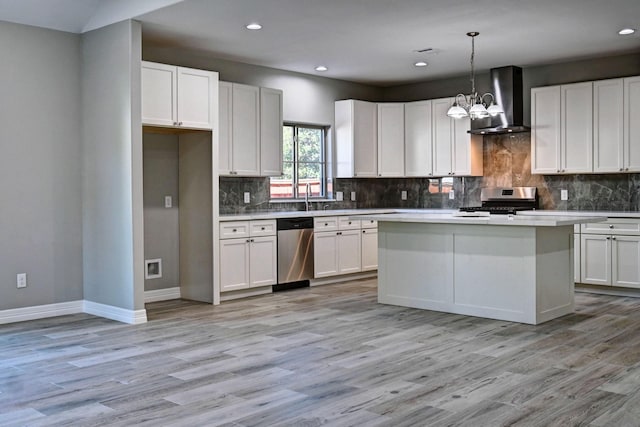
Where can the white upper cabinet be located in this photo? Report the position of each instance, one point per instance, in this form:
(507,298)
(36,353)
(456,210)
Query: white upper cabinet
(455,151)
(391,140)
(576,127)
(608,140)
(245,130)
(561,129)
(418,144)
(632,124)
(545,130)
(442,137)
(270,132)
(225,99)
(177,96)
(356,139)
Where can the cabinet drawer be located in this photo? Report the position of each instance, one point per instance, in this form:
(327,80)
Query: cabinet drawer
(369,223)
(325,223)
(344,223)
(234,229)
(263,228)
(613,226)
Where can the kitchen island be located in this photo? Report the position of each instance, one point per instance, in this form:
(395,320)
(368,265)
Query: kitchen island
(508,267)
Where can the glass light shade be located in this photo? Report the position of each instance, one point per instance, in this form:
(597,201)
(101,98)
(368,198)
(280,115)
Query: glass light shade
(457,112)
(494,109)
(478,111)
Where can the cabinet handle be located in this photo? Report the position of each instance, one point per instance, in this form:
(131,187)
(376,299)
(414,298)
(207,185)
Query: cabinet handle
(339,233)
(248,240)
(364,231)
(175,123)
(349,222)
(234,230)
(326,224)
(621,169)
(179,123)
(626,169)
(262,228)
(613,238)
(608,238)
(610,225)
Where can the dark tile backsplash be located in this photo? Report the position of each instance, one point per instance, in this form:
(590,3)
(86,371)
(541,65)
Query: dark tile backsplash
(506,163)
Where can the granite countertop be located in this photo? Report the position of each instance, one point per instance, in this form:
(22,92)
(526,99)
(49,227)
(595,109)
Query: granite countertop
(342,212)
(502,220)
(302,214)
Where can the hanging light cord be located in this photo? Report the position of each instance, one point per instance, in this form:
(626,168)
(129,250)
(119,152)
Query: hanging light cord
(473,72)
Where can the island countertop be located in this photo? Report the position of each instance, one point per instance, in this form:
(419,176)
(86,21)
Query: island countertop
(507,220)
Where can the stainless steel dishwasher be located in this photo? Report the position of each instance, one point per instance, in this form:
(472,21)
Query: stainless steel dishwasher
(295,252)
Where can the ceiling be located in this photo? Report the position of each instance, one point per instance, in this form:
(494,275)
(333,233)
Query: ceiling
(367,41)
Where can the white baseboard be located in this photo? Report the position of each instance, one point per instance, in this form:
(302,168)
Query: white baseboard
(162,294)
(40,311)
(132,317)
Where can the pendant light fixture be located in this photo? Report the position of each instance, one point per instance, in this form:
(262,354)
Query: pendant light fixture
(474,105)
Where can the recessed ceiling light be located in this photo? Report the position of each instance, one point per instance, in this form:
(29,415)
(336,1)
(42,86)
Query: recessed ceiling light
(254,26)
(626,31)
(321,68)
(420,64)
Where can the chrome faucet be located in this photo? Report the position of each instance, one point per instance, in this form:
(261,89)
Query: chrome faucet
(306,197)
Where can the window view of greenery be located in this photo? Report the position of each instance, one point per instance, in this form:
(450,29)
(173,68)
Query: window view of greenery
(303,163)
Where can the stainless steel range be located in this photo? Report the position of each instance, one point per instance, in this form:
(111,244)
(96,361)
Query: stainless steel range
(505,200)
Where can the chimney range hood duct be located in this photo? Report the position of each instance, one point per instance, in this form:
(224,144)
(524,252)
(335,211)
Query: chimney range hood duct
(506,84)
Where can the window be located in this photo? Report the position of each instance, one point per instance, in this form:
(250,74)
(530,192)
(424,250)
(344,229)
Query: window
(303,162)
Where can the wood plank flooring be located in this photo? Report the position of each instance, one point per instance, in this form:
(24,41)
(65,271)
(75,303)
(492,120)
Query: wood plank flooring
(328,355)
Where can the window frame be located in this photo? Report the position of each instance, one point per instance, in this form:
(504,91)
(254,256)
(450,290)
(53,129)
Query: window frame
(296,196)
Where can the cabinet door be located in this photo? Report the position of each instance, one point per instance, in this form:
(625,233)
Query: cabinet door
(545,130)
(245,130)
(625,261)
(391,140)
(595,262)
(576,120)
(263,265)
(442,137)
(270,132)
(608,127)
(234,262)
(365,139)
(467,150)
(418,139)
(225,100)
(195,98)
(159,93)
(576,258)
(349,252)
(632,123)
(369,249)
(325,254)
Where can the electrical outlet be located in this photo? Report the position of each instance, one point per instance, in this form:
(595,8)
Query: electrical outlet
(339,196)
(353,196)
(21,280)
(168,201)
(452,195)
(564,194)
(403,195)
(247,197)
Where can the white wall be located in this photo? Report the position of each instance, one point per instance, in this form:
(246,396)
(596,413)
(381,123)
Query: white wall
(40,180)
(113,236)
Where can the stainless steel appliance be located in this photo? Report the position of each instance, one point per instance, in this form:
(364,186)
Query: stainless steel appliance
(295,251)
(505,200)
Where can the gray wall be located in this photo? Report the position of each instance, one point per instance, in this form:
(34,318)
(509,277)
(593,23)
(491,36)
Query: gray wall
(161,225)
(40,180)
(307,99)
(113,237)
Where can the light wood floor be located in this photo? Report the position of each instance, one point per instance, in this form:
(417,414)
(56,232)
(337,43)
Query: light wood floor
(328,355)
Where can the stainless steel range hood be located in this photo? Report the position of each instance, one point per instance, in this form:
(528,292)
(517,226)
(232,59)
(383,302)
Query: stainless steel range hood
(506,85)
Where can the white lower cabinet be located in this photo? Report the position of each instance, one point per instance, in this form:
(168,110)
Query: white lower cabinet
(251,261)
(611,259)
(344,246)
(369,249)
